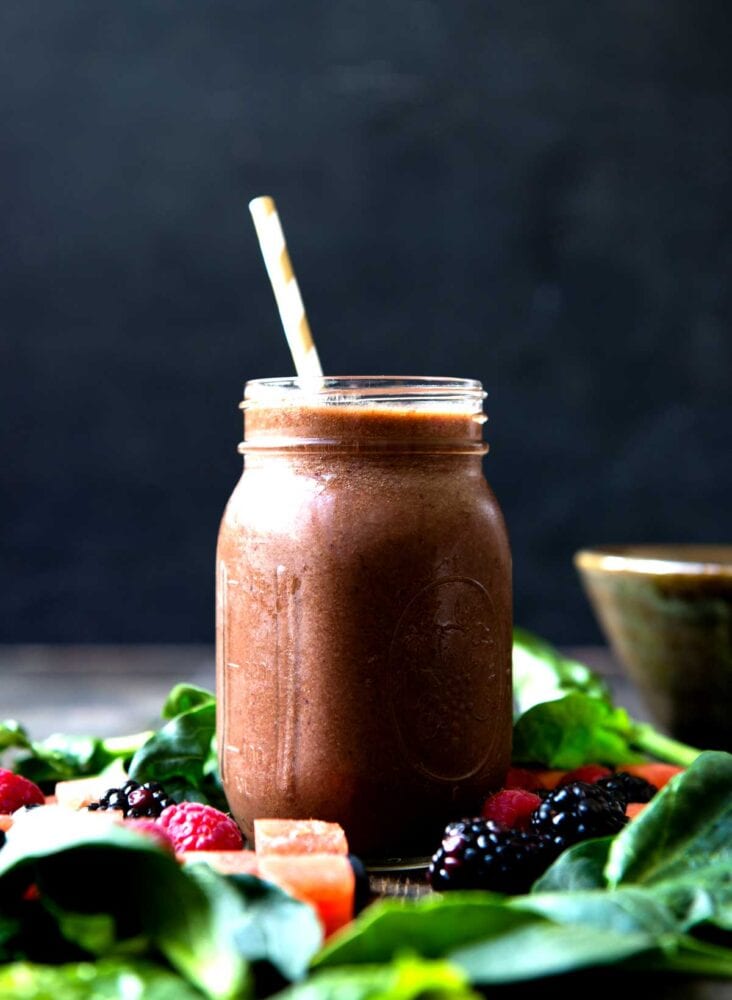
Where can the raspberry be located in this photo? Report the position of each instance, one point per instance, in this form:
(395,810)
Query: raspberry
(578,812)
(588,772)
(511,808)
(16,791)
(151,828)
(193,826)
(478,854)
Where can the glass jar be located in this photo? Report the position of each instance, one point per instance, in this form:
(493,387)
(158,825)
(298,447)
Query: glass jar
(363,611)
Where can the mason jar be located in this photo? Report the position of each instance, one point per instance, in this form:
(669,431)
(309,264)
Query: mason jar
(363,611)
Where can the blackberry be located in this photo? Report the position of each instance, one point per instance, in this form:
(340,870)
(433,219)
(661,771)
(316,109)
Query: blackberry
(362,894)
(576,812)
(2,838)
(628,787)
(134,800)
(479,854)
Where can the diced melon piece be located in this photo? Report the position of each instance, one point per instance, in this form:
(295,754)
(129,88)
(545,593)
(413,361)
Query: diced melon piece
(79,792)
(6,821)
(299,836)
(549,779)
(655,774)
(633,809)
(325,881)
(224,862)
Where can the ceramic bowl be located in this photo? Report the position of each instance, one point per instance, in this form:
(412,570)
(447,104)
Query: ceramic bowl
(666,611)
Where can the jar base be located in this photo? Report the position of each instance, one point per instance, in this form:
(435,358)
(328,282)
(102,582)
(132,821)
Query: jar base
(396,865)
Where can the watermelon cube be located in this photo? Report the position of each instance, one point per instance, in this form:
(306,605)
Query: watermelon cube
(298,836)
(326,881)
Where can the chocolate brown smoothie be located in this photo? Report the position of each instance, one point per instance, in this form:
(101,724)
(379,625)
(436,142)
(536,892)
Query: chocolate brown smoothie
(364,618)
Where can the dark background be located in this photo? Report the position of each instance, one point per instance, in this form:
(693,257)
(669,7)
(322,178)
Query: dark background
(534,194)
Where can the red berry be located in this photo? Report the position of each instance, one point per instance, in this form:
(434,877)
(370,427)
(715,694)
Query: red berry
(151,828)
(193,826)
(16,791)
(590,773)
(511,808)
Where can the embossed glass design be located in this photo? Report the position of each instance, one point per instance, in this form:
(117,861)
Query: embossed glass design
(363,610)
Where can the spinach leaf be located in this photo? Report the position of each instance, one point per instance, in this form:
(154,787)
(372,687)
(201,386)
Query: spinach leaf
(574,730)
(687,826)
(263,922)
(70,860)
(407,978)
(182,755)
(61,758)
(429,927)
(565,716)
(624,911)
(687,954)
(108,889)
(184,697)
(679,851)
(502,940)
(541,673)
(702,896)
(108,979)
(13,736)
(579,867)
(546,949)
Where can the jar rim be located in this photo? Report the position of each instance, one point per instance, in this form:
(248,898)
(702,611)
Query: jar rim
(348,389)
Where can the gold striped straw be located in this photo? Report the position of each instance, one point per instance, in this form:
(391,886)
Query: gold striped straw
(285,287)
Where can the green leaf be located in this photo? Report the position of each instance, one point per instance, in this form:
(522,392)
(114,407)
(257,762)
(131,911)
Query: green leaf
(71,860)
(579,867)
(183,751)
(408,978)
(179,749)
(107,886)
(13,736)
(262,922)
(702,896)
(687,826)
(574,730)
(182,756)
(62,758)
(93,932)
(624,911)
(429,927)
(104,980)
(546,949)
(184,697)
(541,673)
(686,954)
(193,926)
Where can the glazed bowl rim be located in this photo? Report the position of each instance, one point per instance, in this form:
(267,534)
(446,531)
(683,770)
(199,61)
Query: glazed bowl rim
(660,559)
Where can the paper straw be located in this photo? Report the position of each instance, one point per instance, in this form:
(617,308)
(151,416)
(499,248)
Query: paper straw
(285,287)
